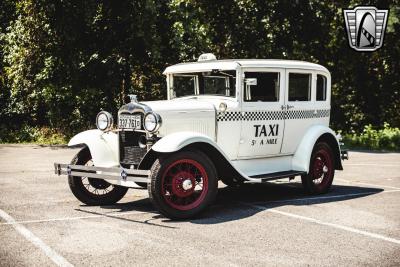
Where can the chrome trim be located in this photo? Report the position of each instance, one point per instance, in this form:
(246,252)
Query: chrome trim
(134,107)
(121,174)
(116,130)
(110,121)
(158,121)
(131,108)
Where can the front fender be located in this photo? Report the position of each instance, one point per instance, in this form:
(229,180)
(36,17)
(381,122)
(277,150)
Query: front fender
(301,159)
(176,141)
(102,146)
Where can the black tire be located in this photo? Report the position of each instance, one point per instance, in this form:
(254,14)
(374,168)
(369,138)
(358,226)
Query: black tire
(163,198)
(322,166)
(83,194)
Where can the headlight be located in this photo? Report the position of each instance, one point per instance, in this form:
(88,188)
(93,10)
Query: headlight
(104,121)
(152,122)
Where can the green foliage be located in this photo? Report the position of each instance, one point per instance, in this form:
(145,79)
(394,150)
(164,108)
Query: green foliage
(63,61)
(382,139)
(29,134)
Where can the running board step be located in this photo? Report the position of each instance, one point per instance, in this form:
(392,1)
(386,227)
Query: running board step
(277,175)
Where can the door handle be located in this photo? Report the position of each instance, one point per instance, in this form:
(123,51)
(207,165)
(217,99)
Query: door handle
(283,107)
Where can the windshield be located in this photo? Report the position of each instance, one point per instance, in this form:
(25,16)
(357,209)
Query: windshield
(216,82)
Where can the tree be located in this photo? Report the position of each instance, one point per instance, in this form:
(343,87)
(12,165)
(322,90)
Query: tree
(63,61)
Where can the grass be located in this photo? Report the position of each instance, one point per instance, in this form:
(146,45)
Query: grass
(33,135)
(386,139)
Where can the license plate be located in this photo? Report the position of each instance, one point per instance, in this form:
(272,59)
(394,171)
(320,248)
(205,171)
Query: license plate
(129,122)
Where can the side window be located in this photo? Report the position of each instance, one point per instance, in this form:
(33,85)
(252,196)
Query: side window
(184,85)
(321,87)
(219,83)
(264,88)
(299,87)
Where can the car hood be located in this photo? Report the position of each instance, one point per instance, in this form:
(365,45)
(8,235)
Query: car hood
(180,105)
(185,115)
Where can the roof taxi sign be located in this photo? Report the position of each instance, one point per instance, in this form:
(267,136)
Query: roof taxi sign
(207,57)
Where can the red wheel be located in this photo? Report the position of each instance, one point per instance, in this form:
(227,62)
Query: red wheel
(183,184)
(321,172)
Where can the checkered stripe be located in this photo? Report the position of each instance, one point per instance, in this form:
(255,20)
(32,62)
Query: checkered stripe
(299,114)
(229,116)
(322,113)
(263,115)
(272,115)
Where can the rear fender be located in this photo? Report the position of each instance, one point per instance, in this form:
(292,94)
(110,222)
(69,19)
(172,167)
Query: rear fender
(103,146)
(301,159)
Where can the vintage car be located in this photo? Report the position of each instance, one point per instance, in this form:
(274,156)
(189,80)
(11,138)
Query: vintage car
(237,121)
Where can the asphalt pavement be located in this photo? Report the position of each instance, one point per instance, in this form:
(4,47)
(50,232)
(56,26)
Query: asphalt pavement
(356,224)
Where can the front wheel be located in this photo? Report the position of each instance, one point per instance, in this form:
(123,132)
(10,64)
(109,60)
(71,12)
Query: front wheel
(320,176)
(183,184)
(93,191)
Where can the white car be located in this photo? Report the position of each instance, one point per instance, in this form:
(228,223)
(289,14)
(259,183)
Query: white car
(238,121)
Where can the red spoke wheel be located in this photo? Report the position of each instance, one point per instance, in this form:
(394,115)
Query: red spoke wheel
(183,184)
(322,170)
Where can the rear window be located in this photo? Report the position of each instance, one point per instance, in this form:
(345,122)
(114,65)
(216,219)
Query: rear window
(299,86)
(321,87)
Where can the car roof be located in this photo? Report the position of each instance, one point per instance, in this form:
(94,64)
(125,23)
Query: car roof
(234,63)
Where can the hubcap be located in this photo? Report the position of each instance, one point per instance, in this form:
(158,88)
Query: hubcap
(325,169)
(187,184)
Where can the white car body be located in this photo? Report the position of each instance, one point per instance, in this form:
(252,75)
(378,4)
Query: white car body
(254,138)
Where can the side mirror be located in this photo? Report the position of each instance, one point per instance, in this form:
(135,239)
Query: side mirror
(250,81)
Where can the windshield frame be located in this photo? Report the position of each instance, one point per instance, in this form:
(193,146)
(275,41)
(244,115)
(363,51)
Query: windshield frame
(170,90)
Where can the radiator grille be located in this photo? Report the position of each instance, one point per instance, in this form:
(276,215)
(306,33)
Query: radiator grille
(129,151)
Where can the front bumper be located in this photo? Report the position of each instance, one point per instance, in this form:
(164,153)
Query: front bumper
(119,174)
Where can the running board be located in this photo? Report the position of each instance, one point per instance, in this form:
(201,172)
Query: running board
(277,175)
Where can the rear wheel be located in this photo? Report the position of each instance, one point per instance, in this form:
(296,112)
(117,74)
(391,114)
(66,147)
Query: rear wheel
(183,184)
(320,176)
(93,191)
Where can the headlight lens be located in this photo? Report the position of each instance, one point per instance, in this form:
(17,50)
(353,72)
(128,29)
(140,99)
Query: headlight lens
(104,120)
(152,122)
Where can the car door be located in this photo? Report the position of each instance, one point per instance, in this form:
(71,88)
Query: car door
(262,117)
(299,106)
